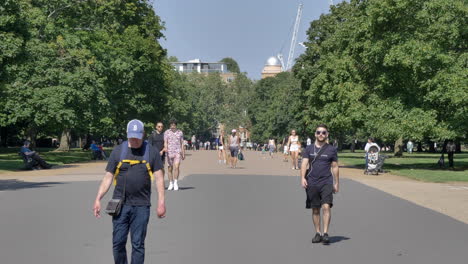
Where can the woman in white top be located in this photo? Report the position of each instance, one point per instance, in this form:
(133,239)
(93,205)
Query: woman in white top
(221,153)
(294,145)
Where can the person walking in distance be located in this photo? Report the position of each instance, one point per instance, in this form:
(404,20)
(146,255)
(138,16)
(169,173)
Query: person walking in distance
(221,153)
(293,145)
(157,141)
(194,142)
(285,149)
(409,147)
(234,142)
(320,180)
(132,166)
(174,145)
(271,146)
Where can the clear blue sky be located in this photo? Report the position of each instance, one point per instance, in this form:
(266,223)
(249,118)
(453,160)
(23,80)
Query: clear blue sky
(250,31)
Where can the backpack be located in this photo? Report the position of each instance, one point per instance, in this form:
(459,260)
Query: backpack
(123,154)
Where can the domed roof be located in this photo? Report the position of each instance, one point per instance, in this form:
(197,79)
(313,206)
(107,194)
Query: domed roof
(273,61)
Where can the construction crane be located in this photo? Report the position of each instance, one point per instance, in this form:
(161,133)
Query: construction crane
(294,38)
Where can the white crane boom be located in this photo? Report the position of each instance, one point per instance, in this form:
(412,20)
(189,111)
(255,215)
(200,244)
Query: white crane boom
(294,38)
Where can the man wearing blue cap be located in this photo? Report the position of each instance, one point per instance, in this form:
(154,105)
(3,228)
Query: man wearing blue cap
(132,166)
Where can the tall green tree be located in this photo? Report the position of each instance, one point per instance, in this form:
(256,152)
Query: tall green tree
(391,68)
(87,66)
(12,38)
(276,107)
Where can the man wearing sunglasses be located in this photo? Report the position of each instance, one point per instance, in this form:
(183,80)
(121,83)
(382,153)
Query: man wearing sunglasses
(321,180)
(157,141)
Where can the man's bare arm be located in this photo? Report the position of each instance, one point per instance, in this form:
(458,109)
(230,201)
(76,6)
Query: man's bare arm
(304,165)
(336,175)
(161,209)
(182,148)
(103,188)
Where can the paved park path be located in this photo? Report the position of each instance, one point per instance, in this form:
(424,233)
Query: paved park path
(253,214)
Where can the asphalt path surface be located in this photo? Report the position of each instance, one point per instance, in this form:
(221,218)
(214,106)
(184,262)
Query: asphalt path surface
(228,219)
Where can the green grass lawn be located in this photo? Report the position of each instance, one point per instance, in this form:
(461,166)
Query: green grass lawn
(418,166)
(11,161)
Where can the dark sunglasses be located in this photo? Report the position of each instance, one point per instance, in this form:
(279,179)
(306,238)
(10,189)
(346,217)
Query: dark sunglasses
(321,132)
(159,126)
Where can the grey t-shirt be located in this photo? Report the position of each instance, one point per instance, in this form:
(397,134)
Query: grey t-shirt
(321,170)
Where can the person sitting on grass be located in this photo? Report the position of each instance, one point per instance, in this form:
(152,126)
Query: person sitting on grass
(97,153)
(34,155)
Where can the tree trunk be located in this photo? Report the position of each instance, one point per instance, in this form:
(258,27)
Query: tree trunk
(457,146)
(431,147)
(65,140)
(353,146)
(31,134)
(398,152)
(3,136)
(420,147)
(80,143)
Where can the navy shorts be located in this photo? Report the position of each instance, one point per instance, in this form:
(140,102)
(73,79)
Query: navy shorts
(317,195)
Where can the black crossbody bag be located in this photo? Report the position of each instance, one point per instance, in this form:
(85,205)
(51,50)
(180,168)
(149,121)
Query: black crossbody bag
(309,170)
(115,205)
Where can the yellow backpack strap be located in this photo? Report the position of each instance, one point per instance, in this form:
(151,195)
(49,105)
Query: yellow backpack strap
(117,170)
(122,154)
(148,167)
(132,162)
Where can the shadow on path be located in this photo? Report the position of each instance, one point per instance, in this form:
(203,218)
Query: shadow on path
(186,188)
(17,185)
(336,239)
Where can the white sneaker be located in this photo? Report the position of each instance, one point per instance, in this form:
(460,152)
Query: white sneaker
(171,186)
(176,186)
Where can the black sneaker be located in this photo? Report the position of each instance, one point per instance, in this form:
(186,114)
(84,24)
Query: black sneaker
(317,238)
(326,239)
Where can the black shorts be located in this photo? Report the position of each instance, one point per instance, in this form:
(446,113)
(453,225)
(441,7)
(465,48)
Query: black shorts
(317,195)
(163,158)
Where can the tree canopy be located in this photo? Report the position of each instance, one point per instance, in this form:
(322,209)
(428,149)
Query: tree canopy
(391,68)
(84,65)
(232,64)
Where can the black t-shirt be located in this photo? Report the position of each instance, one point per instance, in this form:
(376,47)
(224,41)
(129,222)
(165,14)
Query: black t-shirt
(321,170)
(138,181)
(157,140)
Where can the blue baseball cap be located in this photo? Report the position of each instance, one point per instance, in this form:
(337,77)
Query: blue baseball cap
(135,129)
